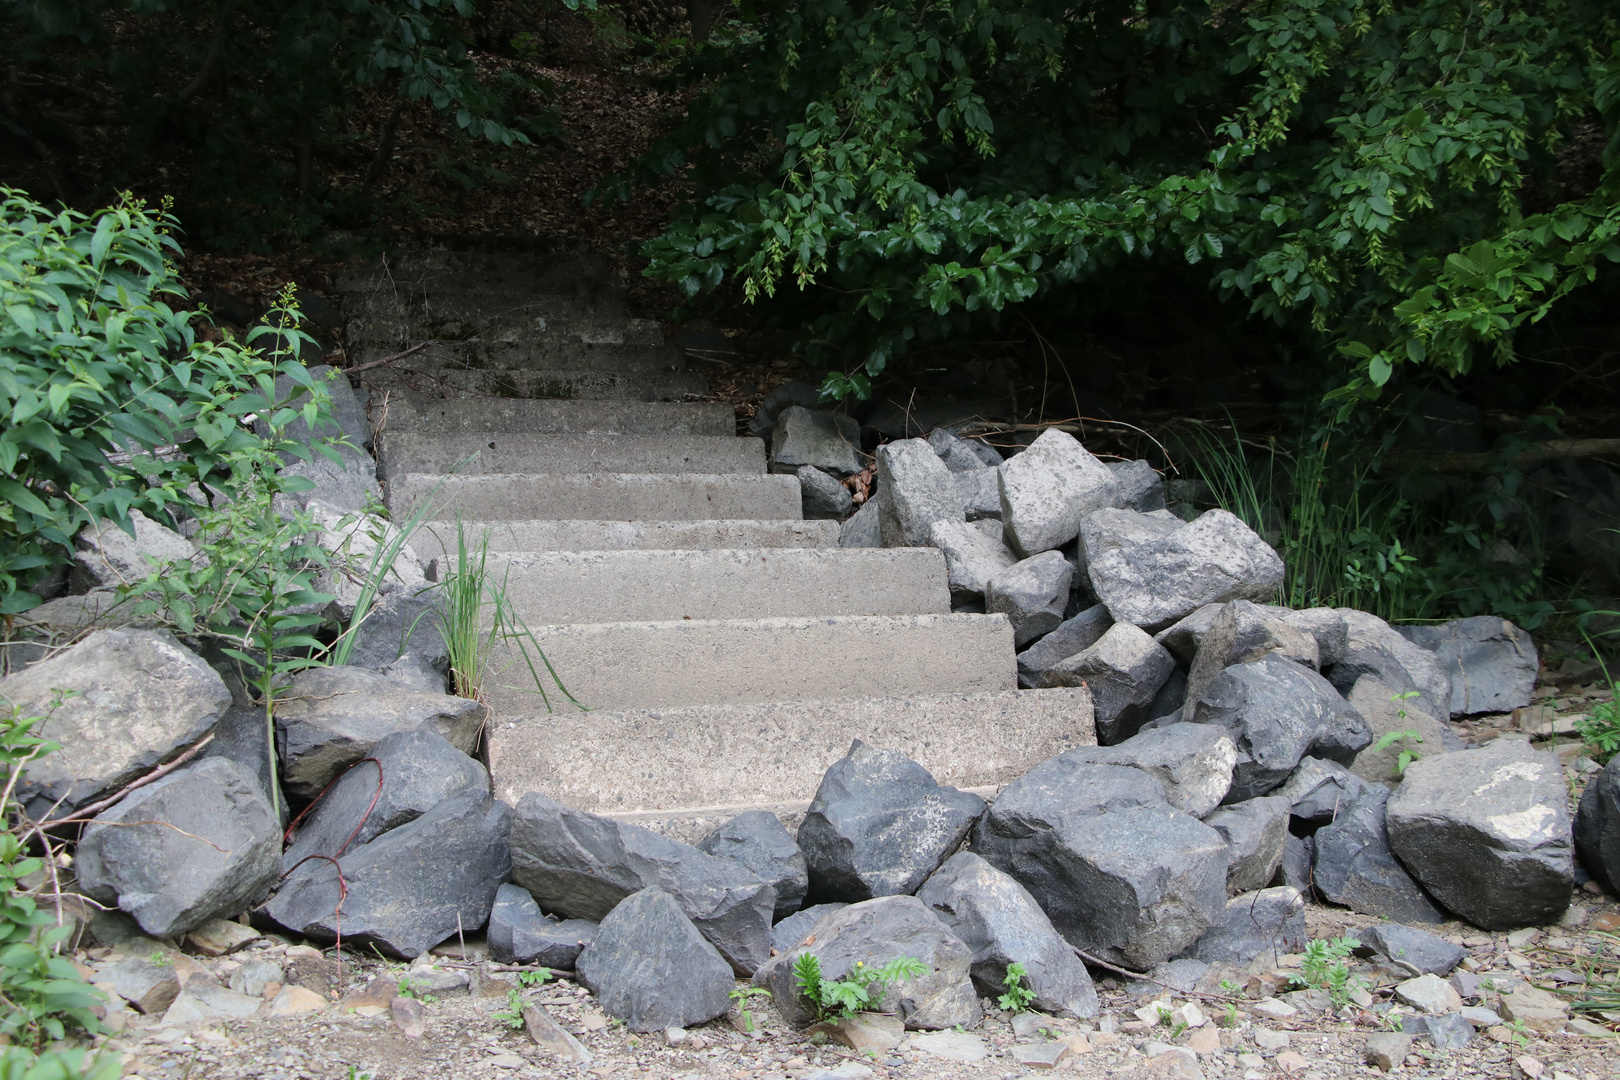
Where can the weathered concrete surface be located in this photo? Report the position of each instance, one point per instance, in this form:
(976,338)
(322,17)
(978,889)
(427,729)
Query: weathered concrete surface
(611,496)
(478,454)
(468,416)
(531,383)
(705,757)
(555,354)
(696,662)
(557,587)
(437,539)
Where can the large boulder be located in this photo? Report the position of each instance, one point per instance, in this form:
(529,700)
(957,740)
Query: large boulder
(1324,624)
(331,717)
(410,888)
(1264,925)
(1243,631)
(129,701)
(1000,921)
(198,844)
(963,455)
(1256,834)
(1193,761)
(1153,582)
(821,495)
(980,494)
(971,557)
(1072,637)
(879,825)
(579,866)
(757,840)
(400,637)
(1352,863)
(798,926)
(1391,712)
(1487,832)
(519,934)
(1372,645)
(1597,828)
(1492,663)
(1032,594)
(1278,711)
(1120,872)
(108,557)
(864,528)
(872,933)
(650,967)
(1429,954)
(916,491)
(1047,491)
(824,440)
(1183,636)
(1124,669)
(1141,488)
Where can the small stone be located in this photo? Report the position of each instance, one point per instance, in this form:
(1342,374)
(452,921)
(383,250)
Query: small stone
(506,1061)
(1449,1032)
(1173,1061)
(1387,1049)
(1205,1041)
(1430,993)
(549,1036)
(408,1016)
(205,1001)
(866,1032)
(1419,948)
(1266,1039)
(150,987)
(1277,1010)
(1523,938)
(295,1001)
(1582,1026)
(1251,1061)
(849,1070)
(1027,1025)
(221,937)
(1479,1016)
(676,1036)
(951,1046)
(1042,1056)
(1290,1062)
(1536,1009)
(1529,1066)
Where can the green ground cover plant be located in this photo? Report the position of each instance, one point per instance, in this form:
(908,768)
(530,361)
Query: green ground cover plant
(862,990)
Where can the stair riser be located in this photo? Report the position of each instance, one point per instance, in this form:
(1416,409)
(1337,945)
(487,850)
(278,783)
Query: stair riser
(437,540)
(467,416)
(607,496)
(409,452)
(524,385)
(390,324)
(537,355)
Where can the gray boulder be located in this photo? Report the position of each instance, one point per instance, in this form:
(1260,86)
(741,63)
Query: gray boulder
(1317,789)
(1121,873)
(1429,954)
(1000,921)
(822,496)
(1597,828)
(332,717)
(1370,634)
(650,967)
(1487,832)
(1296,868)
(758,841)
(1141,488)
(796,927)
(1241,632)
(349,483)
(1193,762)
(825,440)
(1032,594)
(1167,704)
(1154,582)
(1278,712)
(519,934)
(917,490)
(880,825)
(971,557)
(1324,624)
(198,844)
(1256,833)
(1492,663)
(1072,637)
(1352,863)
(346,414)
(1183,636)
(864,528)
(873,933)
(352,542)
(400,637)
(772,405)
(1263,925)
(134,699)
(1124,670)
(1388,711)
(979,492)
(962,455)
(579,866)
(1047,491)
(108,557)
(410,888)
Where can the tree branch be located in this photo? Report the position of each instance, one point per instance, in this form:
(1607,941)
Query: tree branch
(216,49)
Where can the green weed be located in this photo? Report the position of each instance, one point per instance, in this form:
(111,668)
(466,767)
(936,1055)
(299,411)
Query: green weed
(862,990)
(741,997)
(1018,997)
(1325,968)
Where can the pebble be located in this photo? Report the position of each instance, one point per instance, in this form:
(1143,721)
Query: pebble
(1279,1010)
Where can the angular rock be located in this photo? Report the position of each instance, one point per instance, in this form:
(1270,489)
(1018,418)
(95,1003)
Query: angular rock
(221,937)
(917,490)
(354,541)
(205,1001)
(1430,993)
(1242,632)
(1387,1049)
(1536,1009)
(1487,832)
(758,841)
(150,987)
(1449,1031)
(254,976)
(1317,790)
(1597,828)
(417,770)
(1324,624)
(865,1032)
(240,736)
(1124,670)
(1167,704)
(400,637)
(1255,832)
(1049,489)
(579,866)
(979,492)
(1141,488)
(1260,925)
(650,967)
(411,887)
(971,557)
(1492,663)
(864,527)
(1368,633)
(1072,637)
(1431,955)
(1193,762)
(350,483)
(1183,636)
(108,557)
(519,934)
(1120,873)
(1278,711)
(1387,711)
(135,699)
(1154,582)
(798,926)
(552,1037)
(1002,924)
(873,933)
(197,844)
(962,455)
(880,825)
(822,440)
(1032,594)
(823,497)
(1353,864)
(1295,870)
(332,717)
(773,404)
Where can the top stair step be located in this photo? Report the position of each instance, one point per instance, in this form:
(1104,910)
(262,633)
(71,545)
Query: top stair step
(481,416)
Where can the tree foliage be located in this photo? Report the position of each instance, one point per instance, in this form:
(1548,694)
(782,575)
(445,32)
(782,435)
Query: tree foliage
(1402,182)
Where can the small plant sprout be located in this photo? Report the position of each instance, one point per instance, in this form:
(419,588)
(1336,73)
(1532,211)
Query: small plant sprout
(512,1015)
(535,977)
(741,997)
(1325,968)
(1167,1016)
(1407,754)
(862,990)
(1018,997)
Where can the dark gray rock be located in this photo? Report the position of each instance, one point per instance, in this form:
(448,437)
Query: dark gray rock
(1295,870)
(824,440)
(864,527)
(650,967)
(134,699)
(417,769)
(198,844)
(579,865)
(240,736)
(1141,488)
(1049,489)
(979,492)
(1120,873)
(1418,948)
(879,825)
(1032,594)
(774,403)
(962,455)
(331,717)
(1167,704)
(1072,637)
(1000,921)
(346,415)
(349,483)
(1488,833)
(1124,670)
(971,557)
(1255,832)
(1278,712)
(1242,632)
(796,927)
(1259,925)
(917,490)
(519,934)
(1493,664)
(1317,790)
(1352,864)
(355,545)
(408,889)
(1324,624)
(1597,828)
(1449,1031)
(1369,633)
(822,496)
(1193,762)
(400,637)
(758,841)
(873,933)
(1183,636)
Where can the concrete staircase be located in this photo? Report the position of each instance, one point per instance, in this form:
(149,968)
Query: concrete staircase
(727,649)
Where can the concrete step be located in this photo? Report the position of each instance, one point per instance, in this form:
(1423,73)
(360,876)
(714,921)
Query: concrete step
(518,274)
(527,384)
(649,665)
(410,451)
(472,416)
(438,540)
(606,496)
(538,354)
(393,324)
(560,587)
(715,761)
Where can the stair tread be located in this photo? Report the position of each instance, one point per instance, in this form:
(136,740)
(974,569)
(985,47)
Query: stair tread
(541,384)
(614,496)
(437,539)
(560,417)
(516,452)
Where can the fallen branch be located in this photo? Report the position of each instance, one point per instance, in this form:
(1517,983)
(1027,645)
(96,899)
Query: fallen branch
(85,813)
(1088,958)
(369,364)
(1531,456)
